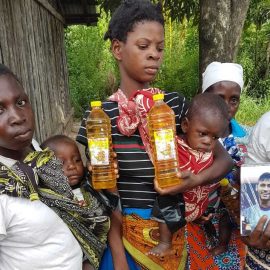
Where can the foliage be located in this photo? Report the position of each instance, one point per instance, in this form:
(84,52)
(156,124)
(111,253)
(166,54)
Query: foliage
(90,65)
(93,72)
(179,71)
(254,51)
(252,109)
(178,10)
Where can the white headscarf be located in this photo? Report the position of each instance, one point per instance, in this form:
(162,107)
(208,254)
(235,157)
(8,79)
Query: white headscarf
(217,72)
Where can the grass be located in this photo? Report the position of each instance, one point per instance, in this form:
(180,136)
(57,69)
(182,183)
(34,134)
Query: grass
(250,109)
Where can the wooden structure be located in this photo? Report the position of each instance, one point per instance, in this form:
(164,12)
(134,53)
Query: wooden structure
(32,46)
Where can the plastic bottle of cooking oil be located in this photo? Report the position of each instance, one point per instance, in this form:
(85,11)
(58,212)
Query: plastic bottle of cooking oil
(230,197)
(161,125)
(98,129)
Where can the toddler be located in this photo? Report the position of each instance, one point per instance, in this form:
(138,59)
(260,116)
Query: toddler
(205,122)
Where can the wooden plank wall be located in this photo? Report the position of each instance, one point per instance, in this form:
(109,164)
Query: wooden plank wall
(32,46)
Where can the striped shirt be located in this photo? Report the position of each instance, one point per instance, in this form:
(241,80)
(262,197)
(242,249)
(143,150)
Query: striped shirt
(136,171)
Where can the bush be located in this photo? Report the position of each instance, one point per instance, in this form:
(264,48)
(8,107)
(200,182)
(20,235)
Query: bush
(251,109)
(90,65)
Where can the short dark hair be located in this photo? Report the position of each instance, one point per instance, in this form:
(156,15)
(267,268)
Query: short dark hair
(128,14)
(208,102)
(264,176)
(51,141)
(4,70)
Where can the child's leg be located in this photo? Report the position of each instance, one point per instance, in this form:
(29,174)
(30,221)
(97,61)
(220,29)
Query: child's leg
(165,242)
(225,232)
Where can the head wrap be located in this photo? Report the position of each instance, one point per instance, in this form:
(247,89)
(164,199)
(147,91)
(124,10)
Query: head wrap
(218,72)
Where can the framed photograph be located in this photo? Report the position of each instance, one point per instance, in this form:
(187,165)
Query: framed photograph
(255,195)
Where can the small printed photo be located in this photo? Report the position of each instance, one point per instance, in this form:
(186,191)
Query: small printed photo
(255,195)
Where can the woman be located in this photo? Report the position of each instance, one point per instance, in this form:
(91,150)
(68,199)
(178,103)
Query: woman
(136,32)
(32,236)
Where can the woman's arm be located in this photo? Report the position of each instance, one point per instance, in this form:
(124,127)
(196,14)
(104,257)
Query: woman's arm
(222,164)
(116,243)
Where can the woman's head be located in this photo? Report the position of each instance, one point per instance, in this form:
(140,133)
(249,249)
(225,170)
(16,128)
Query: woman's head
(205,122)
(128,14)
(225,80)
(67,151)
(16,116)
(136,32)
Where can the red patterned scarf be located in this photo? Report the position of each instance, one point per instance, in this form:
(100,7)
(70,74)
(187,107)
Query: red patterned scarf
(133,113)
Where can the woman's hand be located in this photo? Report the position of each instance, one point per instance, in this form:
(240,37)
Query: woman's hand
(188,181)
(260,237)
(115,165)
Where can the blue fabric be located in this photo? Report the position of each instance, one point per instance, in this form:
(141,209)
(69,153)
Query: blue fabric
(107,261)
(143,213)
(237,130)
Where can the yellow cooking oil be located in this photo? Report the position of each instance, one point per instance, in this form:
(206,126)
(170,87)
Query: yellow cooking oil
(162,132)
(98,129)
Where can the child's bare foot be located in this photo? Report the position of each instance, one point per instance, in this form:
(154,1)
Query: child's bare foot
(218,250)
(162,249)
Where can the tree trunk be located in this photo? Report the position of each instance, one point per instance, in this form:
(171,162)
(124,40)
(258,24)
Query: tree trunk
(220,28)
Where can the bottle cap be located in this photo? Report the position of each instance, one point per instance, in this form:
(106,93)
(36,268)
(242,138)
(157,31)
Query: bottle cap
(224,182)
(95,104)
(158,97)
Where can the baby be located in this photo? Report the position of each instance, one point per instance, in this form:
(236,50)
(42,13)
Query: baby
(66,150)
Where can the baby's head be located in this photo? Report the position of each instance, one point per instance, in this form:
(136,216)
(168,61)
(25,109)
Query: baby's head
(17,121)
(67,151)
(128,14)
(205,122)
(225,80)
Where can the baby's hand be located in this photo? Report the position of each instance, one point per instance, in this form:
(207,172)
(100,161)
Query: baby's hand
(188,181)
(82,203)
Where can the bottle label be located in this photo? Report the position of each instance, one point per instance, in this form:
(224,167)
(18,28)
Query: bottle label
(165,144)
(99,151)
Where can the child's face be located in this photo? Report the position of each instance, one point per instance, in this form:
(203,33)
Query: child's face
(230,92)
(16,118)
(73,167)
(202,133)
(141,55)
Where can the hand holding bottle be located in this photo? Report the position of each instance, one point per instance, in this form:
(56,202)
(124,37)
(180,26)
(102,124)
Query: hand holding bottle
(188,181)
(115,165)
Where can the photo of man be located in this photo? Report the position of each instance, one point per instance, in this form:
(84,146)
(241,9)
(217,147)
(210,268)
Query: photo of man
(257,196)
(263,190)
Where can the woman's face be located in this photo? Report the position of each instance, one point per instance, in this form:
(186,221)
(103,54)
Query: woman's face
(230,92)
(16,118)
(140,56)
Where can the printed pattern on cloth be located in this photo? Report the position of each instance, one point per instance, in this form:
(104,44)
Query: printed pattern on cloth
(55,192)
(141,235)
(258,259)
(196,200)
(198,246)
